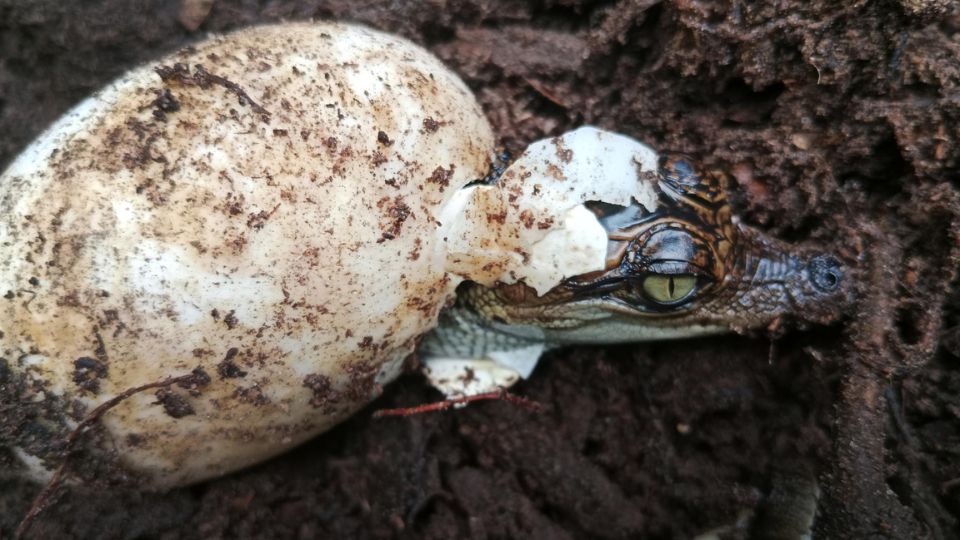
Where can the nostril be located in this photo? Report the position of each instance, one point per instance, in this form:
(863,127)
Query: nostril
(825,273)
(829,279)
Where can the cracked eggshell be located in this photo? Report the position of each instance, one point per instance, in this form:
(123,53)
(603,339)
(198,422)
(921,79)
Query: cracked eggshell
(271,217)
(532,226)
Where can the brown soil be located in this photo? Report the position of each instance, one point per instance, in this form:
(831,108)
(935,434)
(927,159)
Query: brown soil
(839,121)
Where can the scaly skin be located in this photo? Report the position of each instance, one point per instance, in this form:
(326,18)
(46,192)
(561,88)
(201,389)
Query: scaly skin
(742,279)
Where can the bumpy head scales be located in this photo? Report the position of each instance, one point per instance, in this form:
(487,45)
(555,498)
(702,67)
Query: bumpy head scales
(684,269)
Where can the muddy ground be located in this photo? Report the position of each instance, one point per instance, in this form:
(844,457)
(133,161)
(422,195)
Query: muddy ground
(839,123)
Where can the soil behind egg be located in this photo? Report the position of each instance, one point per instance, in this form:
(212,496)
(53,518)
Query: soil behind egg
(835,121)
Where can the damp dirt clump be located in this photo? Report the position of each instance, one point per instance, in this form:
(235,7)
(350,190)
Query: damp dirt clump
(838,124)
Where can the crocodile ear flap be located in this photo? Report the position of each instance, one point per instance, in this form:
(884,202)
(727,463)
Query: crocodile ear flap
(679,175)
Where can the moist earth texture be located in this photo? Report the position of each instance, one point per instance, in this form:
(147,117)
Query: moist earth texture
(839,124)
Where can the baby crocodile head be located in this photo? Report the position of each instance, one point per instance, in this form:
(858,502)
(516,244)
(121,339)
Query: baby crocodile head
(688,268)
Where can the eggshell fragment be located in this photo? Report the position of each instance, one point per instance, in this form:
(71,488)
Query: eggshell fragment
(263,206)
(532,226)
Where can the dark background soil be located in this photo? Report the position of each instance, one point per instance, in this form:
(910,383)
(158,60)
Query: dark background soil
(839,122)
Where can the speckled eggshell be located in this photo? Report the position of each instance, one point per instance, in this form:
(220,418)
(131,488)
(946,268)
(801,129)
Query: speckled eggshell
(266,211)
(532,226)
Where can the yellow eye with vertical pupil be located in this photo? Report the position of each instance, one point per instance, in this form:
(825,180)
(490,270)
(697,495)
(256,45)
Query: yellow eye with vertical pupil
(667,288)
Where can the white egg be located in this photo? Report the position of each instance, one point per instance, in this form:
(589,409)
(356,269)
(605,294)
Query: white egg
(264,205)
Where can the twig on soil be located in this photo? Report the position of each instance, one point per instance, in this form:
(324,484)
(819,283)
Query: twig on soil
(540,89)
(859,494)
(197,378)
(501,394)
(856,491)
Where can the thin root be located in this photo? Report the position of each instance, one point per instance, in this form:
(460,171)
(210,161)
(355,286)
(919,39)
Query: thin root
(542,90)
(500,394)
(195,379)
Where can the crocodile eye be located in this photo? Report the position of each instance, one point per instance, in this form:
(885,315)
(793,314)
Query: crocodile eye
(669,289)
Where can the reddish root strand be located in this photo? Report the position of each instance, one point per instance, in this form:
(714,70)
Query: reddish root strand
(196,379)
(501,395)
